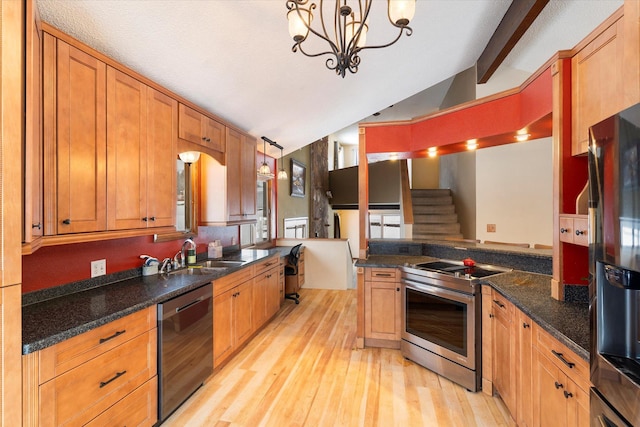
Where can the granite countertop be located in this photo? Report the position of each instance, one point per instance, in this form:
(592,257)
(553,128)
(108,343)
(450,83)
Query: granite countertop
(531,293)
(50,321)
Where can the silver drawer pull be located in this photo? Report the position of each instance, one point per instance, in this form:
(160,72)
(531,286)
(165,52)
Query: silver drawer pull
(117,334)
(115,377)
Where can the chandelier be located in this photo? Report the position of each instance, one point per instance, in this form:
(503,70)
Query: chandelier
(349,30)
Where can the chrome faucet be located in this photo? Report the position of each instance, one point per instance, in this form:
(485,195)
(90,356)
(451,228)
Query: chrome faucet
(166,265)
(192,245)
(178,263)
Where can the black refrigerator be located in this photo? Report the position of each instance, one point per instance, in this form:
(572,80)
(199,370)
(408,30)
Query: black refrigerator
(614,250)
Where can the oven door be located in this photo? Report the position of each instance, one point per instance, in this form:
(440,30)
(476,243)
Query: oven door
(441,321)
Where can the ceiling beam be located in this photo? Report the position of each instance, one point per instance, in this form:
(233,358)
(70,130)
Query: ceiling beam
(514,24)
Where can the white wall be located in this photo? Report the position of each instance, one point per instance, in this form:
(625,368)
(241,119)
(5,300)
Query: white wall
(350,228)
(327,264)
(458,173)
(514,186)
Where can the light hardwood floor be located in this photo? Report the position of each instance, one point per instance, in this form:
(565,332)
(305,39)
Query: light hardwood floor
(303,370)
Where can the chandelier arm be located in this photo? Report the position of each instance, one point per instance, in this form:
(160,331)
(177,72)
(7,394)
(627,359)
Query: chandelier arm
(298,46)
(409,32)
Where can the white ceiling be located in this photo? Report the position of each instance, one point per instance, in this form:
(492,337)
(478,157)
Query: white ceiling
(233,57)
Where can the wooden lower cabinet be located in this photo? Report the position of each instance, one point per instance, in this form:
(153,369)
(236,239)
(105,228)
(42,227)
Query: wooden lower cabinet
(560,384)
(382,307)
(541,381)
(105,374)
(243,302)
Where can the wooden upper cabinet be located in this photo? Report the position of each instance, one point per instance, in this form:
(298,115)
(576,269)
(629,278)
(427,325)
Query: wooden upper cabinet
(200,129)
(234,174)
(162,128)
(228,192)
(597,83)
(126,151)
(141,159)
(81,141)
(249,177)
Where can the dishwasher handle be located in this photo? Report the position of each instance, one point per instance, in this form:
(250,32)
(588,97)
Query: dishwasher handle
(184,307)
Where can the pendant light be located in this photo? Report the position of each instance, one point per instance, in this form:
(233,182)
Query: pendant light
(264,168)
(264,172)
(282,174)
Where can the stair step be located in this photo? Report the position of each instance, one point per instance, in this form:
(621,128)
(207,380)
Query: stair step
(430,192)
(425,201)
(433,209)
(453,228)
(425,236)
(435,218)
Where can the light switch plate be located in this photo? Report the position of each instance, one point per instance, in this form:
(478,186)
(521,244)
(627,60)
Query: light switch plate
(98,268)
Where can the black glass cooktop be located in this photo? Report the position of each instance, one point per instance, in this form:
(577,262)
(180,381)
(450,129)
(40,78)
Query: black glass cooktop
(462,270)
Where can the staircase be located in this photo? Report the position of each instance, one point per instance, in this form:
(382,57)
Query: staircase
(434,215)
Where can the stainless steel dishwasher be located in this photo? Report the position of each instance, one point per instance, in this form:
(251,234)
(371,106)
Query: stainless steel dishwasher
(185,347)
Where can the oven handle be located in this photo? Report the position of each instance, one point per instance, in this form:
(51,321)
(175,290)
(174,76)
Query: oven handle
(434,290)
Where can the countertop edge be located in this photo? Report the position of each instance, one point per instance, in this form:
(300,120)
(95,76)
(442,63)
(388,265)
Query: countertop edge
(198,281)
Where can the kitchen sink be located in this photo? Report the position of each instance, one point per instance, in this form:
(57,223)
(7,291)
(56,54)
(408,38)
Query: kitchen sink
(198,270)
(220,264)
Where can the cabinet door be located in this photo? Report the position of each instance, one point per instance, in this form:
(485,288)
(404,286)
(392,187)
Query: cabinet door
(81,142)
(248,181)
(189,124)
(223,326)
(162,128)
(234,176)
(33,128)
(242,312)
(214,133)
(550,405)
(382,308)
(524,375)
(597,84)
(259,297)
(273,292)
(504,351)
(126,152)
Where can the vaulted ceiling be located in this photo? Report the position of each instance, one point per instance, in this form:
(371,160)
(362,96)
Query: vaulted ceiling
(233,57)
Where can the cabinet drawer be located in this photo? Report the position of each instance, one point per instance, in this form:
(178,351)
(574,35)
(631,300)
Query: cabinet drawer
(382,274)
(70,353)
(502,308)
(266,264)
(80,394)
(139,408)
(232,280)
(566,360)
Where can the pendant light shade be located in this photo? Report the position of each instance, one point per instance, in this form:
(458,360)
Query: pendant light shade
(282,174)
(189,156)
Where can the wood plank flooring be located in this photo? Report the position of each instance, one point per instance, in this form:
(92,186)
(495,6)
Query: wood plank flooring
(303,370)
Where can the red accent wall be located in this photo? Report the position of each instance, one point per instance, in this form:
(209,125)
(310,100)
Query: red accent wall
(497,117)
(57,265)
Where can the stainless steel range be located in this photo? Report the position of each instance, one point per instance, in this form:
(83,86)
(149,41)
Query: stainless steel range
(441,311)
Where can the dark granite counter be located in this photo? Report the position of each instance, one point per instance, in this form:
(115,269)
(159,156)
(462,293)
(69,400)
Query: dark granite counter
(531,293)
(54,315)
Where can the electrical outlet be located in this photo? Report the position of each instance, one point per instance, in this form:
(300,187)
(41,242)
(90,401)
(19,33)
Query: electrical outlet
(491,228)
(98,268)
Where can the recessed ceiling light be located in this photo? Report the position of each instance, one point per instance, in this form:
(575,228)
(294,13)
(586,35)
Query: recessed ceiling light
(472,144)
(432,151)
(522,137)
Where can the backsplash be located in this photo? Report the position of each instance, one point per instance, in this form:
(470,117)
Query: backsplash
(58,265)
